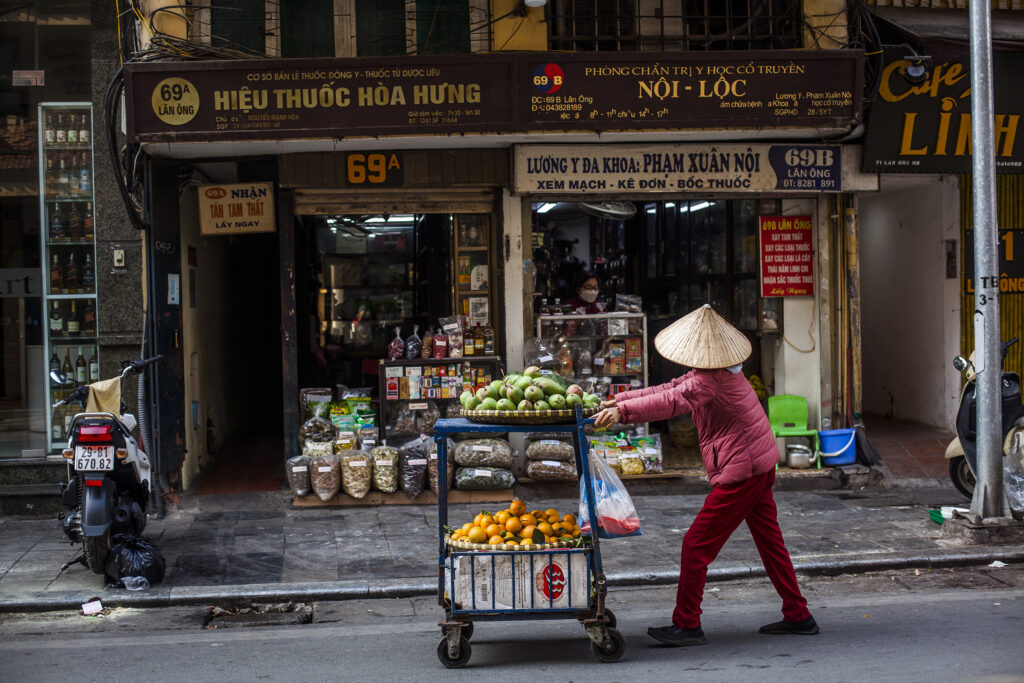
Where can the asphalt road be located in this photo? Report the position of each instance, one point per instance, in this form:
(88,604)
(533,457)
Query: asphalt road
(912,625)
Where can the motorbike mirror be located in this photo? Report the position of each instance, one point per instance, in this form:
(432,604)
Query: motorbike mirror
(58,377)
(961,363)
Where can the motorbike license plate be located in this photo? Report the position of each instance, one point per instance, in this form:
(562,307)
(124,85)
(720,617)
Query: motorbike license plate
(94,458)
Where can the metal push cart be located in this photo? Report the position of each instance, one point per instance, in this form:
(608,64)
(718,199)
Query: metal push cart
(498,585)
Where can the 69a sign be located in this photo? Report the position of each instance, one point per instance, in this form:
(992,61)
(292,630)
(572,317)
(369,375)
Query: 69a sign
(373,169)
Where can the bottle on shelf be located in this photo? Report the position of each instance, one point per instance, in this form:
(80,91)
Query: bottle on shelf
(63,180)
(58,228)
(488,340)
(94,367)
(544,308)
(87,221)
(81,368)
(88,274)
(84,176)
(74,227)
(62,130)
(478,340)
(57,421)
(71,281)
(69,415)
(68,369)
(56,320)
(50,179)
(468,343)
(89,319)
(74,177)
(56,275)
(55,361)
(74,325)
(72,130)
(84,136)
(49,134)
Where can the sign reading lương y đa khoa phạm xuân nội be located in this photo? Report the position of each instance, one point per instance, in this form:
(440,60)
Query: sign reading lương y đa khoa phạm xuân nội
(236,209)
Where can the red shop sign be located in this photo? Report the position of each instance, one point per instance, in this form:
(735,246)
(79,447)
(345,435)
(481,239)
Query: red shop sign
(787,259)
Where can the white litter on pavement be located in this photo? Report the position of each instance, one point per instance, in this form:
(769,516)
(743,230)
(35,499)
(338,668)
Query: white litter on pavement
(998,565)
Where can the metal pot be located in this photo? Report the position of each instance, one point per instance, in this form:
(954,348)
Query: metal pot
(799,457)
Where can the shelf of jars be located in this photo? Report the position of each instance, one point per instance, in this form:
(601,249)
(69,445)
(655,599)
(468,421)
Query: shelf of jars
(66,206)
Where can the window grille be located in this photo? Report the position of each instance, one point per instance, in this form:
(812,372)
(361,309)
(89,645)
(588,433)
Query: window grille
(673,25)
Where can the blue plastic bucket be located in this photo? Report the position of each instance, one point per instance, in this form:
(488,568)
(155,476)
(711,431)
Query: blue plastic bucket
(838,446)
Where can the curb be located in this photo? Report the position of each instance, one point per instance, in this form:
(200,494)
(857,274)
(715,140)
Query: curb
(404,588)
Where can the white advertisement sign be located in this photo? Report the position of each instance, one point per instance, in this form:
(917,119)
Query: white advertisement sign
(236,209)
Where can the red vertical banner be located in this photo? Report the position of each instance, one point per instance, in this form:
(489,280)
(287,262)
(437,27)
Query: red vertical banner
(787,259)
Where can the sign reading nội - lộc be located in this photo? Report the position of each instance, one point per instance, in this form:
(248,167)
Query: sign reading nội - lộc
(236,209)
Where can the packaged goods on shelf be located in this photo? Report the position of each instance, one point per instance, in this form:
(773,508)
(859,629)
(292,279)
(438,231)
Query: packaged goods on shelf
(384,462)
(649,447)
(485,452)
(550,449)
(630,461)
(310,397)
(454,336)
(355,473)
(396,349)
(317,429)
(345,441)
(297,469)
(427,413)
(432,466)
(479,477)
(325,476)
(551,470)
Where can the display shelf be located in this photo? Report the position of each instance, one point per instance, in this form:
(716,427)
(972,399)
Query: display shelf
(66,206)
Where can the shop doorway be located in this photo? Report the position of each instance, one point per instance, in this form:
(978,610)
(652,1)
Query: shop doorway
(247,427)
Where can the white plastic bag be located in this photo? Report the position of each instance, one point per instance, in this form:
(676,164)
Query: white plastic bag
(616,514)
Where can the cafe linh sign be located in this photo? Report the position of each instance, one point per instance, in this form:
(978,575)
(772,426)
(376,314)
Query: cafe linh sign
(633,169)
(276,99)
(925,127)
(236,209)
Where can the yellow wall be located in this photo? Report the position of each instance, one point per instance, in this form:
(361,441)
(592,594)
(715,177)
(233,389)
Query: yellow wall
(518,31)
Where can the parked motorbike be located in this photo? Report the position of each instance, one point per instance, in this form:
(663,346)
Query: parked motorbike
(962,451)
(110,480)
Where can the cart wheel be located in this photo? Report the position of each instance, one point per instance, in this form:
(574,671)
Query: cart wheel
(613,651)
(464,653)
(612,622)
(467,630)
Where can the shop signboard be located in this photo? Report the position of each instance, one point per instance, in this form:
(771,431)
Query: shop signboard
(1011,262)
(500,93)
(787,259)
(643,169)
(236,209)
(925,127)
(16,283)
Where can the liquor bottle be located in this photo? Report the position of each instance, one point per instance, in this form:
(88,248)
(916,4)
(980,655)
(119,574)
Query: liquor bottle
(72,129)
(94,367)
(62,130)
(87,221)
(57,422)
(88,275)
(74,229)
(89,319)
(67,368)
(56,321)
(81,368)
(74,177)
(84,176)
(74,324)
(71,282)
(56,275)
(478,340)
(69,416)
(488,340)
(468,344)
(63,181)
(55,361)
(84,135)
(50,135)
(58,230)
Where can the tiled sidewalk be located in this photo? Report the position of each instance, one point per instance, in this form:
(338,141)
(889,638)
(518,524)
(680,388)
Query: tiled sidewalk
(910,451)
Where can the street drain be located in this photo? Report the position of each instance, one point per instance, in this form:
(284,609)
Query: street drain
(259,614)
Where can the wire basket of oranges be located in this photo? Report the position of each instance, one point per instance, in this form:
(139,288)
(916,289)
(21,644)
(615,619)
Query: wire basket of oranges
(514,528)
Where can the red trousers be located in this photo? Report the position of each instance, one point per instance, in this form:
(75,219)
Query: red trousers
(725,507)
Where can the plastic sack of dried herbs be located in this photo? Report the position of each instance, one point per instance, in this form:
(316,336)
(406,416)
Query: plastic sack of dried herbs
(426,417)
(319,428)
(551,470)
(412,465)
(551,449)
(432,465)
(483,478)
(325,476)
(297,469)
(355,473)
(385,469)
(486,452)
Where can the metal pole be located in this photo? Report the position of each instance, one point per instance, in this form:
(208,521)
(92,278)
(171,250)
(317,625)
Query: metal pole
(988,500)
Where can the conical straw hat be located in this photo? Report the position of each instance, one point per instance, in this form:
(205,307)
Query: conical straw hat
(703,339)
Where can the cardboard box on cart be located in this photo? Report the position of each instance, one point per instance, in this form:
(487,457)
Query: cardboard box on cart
(558,580)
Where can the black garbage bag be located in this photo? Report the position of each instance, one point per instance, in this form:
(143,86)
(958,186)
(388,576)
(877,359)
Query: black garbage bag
(134,563)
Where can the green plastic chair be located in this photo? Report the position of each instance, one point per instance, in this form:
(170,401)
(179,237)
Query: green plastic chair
(787,415)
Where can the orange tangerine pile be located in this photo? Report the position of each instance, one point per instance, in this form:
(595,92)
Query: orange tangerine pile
(516,526)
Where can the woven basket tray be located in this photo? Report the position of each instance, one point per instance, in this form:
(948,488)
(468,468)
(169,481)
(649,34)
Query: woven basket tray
(466,545)
(524,417)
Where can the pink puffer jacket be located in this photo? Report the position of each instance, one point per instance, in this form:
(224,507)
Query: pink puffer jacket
(736,440)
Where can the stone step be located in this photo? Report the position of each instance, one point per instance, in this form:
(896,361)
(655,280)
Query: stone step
(33,500)
(33,471)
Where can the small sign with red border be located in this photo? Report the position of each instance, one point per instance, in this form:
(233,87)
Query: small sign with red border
(787,256)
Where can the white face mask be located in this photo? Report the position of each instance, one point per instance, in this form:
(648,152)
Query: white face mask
(588,295)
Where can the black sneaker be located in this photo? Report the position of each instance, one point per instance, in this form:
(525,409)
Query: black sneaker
(677,637)
(807,627)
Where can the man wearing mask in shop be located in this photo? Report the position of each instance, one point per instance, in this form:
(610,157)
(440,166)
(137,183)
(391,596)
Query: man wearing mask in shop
(739,453)
(585,301)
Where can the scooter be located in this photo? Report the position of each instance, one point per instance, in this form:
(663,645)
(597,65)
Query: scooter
(962,451)
(110,479)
